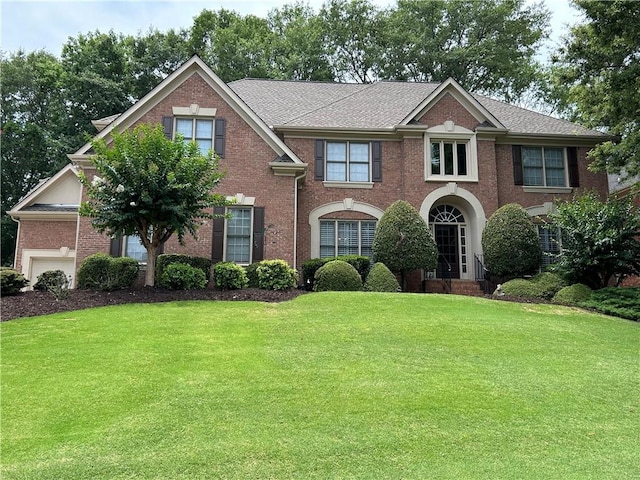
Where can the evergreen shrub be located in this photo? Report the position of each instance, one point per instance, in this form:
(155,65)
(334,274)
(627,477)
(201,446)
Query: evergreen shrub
(104,272)
(252,275)
(573,294)
(381,279)
(519,287)
(336,276)
(180,276)
(166,259)
(11,281)
(276,275)
(229,276)
(50,279)
(549,284)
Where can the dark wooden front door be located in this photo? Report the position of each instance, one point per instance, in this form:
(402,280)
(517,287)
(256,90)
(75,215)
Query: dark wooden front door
(448,259)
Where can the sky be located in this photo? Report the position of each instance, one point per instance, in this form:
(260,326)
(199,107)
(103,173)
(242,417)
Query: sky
(34,25)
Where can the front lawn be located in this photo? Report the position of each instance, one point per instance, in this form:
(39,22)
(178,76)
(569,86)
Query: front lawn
(329,385)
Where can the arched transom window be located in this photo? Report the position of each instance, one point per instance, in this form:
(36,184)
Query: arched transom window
(445,214)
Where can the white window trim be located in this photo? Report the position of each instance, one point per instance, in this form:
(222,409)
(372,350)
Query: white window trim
(544,188)
(225,242)
(451,132)
(335,222)
(347,183)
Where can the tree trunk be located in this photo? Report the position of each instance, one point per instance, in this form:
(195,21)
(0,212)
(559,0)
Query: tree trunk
(150,275)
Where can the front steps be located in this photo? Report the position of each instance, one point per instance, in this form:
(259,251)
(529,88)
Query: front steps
(458,287)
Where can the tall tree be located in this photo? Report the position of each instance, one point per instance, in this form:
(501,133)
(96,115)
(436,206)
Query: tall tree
(298,52)
(597,75)
(150,186)
(351,30)
(488,47)
(33,141)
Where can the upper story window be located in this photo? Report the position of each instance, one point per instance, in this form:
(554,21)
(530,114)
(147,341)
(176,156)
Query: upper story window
(450,153)
(346,237)
(348,163)
(198,130)
(543,167)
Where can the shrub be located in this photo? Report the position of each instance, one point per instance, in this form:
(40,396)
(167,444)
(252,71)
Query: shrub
(403,241)
(252,275)
(180,276)
(510,243)
(573,294)
(337,275)
(11,281)
(617,301)
(381,279)
(276,275)
(519,287)
(229,276)
(549,284)
(50,278)
(167,259)
(309,269)
(55,282)
(104,272)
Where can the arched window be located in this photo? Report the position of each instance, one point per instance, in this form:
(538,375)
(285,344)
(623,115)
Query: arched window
(445,214)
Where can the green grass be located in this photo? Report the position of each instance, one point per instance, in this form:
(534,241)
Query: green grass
(331,385)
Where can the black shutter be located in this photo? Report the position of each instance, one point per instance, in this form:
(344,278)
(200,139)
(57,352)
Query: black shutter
(517,165)
(572,161)
(217,241)
(167,126)
(376,161)
(115,249)
(319,164)
(258,234)
(219,140)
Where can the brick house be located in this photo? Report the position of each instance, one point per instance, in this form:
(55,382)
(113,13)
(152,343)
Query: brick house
(313,166)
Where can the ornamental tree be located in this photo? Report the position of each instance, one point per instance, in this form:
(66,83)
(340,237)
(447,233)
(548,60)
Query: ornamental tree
(403,241)
(599,240)
(510,243)
(150,186)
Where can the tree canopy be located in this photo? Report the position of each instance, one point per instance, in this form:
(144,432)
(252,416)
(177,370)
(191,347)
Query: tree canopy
(150,186)
(597,79)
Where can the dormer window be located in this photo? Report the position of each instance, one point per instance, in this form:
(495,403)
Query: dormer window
(450,154)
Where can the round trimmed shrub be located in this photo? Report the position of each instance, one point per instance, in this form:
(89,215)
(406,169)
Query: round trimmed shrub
(229,276)
(549,284)
(180,276)
(519,287)
(337,276)
(51,279)
(381,279)
(510,243)
(104,272)
(252,275)
(276,275)
(11,281)
(573,294)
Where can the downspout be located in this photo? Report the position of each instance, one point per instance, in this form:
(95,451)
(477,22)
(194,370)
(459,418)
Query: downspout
(15,254)
(295,218)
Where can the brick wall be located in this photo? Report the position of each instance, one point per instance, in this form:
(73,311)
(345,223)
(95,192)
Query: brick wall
(42,234)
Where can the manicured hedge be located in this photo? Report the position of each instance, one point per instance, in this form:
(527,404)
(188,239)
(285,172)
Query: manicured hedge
(104,272)
(229,276)
(11,281)
(337,276)
(361,263)
(180,276)
(573,294)
(166,259)
(381,279)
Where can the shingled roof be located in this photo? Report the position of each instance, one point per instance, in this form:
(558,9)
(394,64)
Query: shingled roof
(376,106)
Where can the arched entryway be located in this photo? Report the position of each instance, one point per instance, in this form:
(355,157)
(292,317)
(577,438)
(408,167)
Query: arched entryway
(450,232)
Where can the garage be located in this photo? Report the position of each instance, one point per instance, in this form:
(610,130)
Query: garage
(40,265)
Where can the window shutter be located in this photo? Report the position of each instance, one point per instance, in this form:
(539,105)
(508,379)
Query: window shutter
(517,165)
(376,161)
(319,164)
(219,140)
(572,161)
(167,126)
(115,249)
(217,243)
(258,234)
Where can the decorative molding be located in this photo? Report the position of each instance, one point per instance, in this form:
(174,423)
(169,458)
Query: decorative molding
(365,185)
(194,110)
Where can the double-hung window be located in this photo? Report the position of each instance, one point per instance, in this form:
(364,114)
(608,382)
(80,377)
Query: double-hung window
(197,129)
(449,157)
(133,248)
(348,162)
(346,237)
(238,236)
(543,167)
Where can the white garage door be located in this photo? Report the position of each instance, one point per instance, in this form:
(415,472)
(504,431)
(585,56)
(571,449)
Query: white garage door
(41,265)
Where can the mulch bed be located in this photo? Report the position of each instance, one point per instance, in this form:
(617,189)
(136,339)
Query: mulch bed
(33,303)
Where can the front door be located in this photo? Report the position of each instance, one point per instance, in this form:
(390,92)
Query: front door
(446,237)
